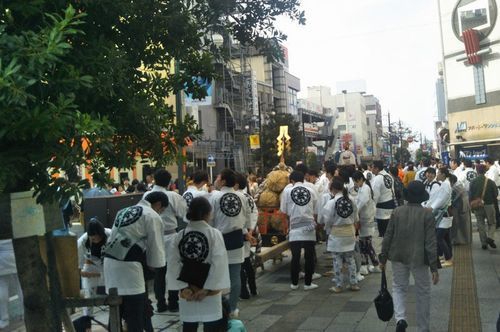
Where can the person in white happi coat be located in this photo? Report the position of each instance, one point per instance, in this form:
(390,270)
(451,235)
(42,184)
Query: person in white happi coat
(383,195)
(439,201)
(90,258)
(366,210)
(199,247)
(134,247)
(456,167)
(200,180)
(329,172)
(247,270)
(175,209)
(467,175)
(8,273)
(339,215)
(298,202)
(232,218)
(420,174)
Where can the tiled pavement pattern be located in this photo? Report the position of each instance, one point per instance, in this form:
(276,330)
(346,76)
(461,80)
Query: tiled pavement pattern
(277,308)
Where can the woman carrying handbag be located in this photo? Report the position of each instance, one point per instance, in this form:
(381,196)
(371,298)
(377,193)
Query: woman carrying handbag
(414,223)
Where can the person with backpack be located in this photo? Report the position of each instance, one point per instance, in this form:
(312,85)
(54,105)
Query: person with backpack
(90,246)
(339,215)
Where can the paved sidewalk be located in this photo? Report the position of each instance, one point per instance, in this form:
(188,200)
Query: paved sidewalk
(277,308)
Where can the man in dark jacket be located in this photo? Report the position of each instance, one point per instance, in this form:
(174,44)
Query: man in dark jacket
(485,215)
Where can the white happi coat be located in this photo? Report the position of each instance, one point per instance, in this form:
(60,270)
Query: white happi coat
(366,211)
(383,192)
(439,195)
(339,215)
(323,199)
(230,214)
(176,208)
(7,258)
(254,216)
(299,203)
(420,174)
(142,225)
(96,266)
(192,192)
(324,184)
(466,176)
(494,175)
(200,241)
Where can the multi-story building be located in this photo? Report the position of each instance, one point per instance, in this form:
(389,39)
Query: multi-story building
(471,44)
(351,124)
(374,125)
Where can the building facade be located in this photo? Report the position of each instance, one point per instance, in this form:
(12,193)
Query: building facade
(471,73)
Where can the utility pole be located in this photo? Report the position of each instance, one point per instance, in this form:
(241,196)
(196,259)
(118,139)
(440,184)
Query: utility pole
(390,135)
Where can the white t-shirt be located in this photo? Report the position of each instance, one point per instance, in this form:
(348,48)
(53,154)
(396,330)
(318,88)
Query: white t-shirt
(139,222)
(493,174)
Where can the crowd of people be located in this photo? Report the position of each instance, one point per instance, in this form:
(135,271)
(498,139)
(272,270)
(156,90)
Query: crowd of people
(195,248)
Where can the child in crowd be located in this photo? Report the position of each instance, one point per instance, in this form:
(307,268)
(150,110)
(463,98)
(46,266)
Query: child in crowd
(339,215)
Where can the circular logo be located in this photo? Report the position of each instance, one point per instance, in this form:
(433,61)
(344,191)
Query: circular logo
(251,203)
(471,175)
(388,181)
(194,246)
(230,204)
(474,14)
(300,196)
(188,197)
(128,216)
(421,176)
(369,176)
(344,207)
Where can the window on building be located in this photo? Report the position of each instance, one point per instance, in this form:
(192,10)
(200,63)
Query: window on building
(292,101)
(341,127)
(340,109)
(368,121)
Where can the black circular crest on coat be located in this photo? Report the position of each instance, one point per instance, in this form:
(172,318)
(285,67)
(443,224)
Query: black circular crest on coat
(188,197)
(300,196)
(194,246)
(471,175)
(251,203)
(344,207)
(128,216)
(230,204)
(388,181)
(421,176)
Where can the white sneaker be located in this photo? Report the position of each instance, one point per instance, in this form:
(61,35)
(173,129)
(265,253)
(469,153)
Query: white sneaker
(294,287)
(316,276)
(375,269)
(235,313)
(4,323)
(310,287)
(302,275)
(360,277)
(364,270)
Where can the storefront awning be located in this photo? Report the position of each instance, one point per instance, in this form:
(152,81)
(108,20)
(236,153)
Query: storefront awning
(481,141)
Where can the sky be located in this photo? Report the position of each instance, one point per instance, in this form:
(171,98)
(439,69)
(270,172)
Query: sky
(394,45)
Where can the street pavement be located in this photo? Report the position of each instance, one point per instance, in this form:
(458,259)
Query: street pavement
(278,308)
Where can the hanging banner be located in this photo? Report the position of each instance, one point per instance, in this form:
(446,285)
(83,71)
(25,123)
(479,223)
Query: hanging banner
(254,142)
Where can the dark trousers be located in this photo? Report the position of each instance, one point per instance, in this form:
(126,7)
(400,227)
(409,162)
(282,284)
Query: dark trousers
(497,211)
(367,251)
(382,226)
(207,326)
(160,287)
(132,310)
(444,243)
(296,248)
(248,275)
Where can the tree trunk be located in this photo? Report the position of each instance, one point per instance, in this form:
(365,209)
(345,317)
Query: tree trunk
(32,276)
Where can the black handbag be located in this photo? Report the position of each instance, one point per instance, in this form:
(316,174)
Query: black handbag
(234,240)
(383,301)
